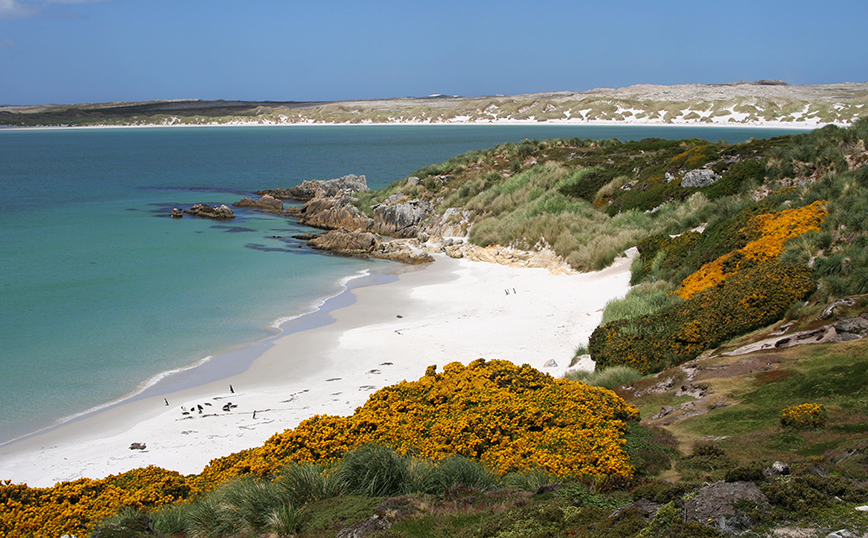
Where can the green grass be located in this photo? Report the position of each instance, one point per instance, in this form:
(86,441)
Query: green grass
(643,299)
(610,377)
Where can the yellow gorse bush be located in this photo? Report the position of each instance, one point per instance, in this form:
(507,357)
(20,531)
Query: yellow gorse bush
(775,230)
(510,417)
(70,507)
(806,415)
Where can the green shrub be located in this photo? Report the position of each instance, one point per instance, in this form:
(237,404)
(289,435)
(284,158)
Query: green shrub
(736,178)
(749,473)
(585,182)
(803,496)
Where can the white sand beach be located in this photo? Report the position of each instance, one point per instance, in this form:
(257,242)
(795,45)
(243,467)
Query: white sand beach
(451,310)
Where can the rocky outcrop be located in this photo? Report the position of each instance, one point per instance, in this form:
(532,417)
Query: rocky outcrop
(713,505)
(177,213)
(350,242)
(454,222)
(399,217)
(702,177)
(220,212)
(331,212)
(840,331)
(265,202)
(330,187)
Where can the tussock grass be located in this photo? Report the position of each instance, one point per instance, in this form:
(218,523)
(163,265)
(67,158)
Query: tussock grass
(610,377)
(374,470)
(301,483)
(643,299)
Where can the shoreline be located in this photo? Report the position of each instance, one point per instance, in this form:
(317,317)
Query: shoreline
(230,361)
(564,122)
(450,310)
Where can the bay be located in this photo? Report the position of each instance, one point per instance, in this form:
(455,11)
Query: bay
(101,291)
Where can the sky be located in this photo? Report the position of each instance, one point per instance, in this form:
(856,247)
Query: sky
(81,51)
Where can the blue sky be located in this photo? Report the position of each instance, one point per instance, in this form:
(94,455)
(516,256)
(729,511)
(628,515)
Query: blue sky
(74,51)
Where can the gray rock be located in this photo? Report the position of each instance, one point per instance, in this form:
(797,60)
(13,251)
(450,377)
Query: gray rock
(177,213)
(714,501)
(665,410)
(856,326)
(308,189)
(402,219)
(777,468)
(412,180)
(551,363)
(372,524)
(701,177)
(829,311)
(843,533)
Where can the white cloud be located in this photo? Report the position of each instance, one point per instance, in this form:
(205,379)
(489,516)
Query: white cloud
(12,9)
(22,9)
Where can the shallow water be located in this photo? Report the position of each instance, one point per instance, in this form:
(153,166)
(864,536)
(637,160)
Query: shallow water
(102,291)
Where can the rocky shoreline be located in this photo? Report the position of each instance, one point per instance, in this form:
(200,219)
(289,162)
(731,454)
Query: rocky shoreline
(401,229)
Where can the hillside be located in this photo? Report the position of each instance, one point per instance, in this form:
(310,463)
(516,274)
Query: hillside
(761,102)
(736,363)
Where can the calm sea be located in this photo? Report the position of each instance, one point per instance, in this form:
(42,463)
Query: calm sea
(100,291)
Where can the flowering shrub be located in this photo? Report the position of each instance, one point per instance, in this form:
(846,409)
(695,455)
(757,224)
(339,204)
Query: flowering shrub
(806,415)
(748,300)
(775,229)
(71,507)
(509,417)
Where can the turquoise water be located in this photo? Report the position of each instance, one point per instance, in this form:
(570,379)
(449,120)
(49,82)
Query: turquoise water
(101,290)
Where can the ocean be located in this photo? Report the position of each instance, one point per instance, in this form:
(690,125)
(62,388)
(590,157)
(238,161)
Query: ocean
(103,293)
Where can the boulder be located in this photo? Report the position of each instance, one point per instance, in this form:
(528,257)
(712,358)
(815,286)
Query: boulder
(346,241)
(307,190)
(220,212)
(402,219)
(701,177)
(714,501)
(331,212)
(177,213)
(349,242)
(265,202)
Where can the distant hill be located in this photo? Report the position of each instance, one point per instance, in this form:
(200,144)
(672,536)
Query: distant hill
(748,103)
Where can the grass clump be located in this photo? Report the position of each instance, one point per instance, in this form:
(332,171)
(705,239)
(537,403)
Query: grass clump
(641,300)
(610,377)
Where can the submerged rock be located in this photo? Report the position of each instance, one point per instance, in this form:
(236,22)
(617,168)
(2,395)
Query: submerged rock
(265,202)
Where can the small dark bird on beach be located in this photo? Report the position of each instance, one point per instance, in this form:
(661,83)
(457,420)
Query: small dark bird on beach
(167,401)
(200,409)
(254,415)
(231,389)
